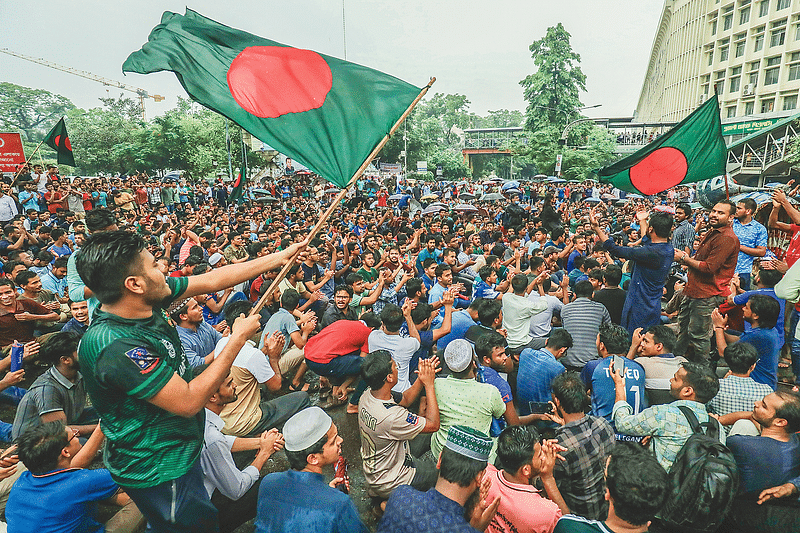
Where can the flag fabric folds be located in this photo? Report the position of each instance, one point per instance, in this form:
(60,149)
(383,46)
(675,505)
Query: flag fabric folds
(694,150)
(58,140)
(327,113)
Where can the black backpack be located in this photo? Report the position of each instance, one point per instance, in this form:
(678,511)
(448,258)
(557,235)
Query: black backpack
(704,480)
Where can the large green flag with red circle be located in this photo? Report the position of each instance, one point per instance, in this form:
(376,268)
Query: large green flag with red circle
(58,140)
(327,113)
(694,150)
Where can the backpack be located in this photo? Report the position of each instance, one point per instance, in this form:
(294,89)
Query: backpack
(704,480)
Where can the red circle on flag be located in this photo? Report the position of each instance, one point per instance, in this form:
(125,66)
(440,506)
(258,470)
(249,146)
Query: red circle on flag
(67,143)
(270,81)
(57,140)
(662,169)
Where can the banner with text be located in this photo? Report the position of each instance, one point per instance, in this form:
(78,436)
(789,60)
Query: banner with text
(11,152)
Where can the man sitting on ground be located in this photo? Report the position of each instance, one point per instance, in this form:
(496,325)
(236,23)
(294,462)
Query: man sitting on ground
(295,333)
(737,390)
(197,337)
(388,427)
(79,322)
(233,492)
(653,351)
(538,369)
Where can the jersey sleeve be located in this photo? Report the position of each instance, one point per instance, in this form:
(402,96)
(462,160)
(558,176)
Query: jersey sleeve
(177,287)
(405,425)
(133,367)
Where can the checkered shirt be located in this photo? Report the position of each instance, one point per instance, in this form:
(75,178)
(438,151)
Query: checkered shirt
(737,393)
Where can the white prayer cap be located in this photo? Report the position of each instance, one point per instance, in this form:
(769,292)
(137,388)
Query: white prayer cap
(305,428)
(458,355)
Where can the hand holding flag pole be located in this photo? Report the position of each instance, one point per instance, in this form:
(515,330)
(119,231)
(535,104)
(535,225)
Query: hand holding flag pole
(337,200)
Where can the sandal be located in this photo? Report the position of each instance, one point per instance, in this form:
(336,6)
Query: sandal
(305,387)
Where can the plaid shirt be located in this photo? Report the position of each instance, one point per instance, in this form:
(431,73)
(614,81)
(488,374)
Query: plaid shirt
(580,478)
(683,236)
(667,425)
(737,393)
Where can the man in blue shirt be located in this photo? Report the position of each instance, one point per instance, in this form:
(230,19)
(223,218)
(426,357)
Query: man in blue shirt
(538,369)
(460,322)
(765,281)
(761,311)
(431,251)
(613,340)
(197,337)
(752,239)
(55,281)
(299,499)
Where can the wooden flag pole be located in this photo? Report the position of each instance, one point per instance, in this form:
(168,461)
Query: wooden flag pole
(339,198)
(26,164)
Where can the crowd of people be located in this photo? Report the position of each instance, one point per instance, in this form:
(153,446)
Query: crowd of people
(549,361)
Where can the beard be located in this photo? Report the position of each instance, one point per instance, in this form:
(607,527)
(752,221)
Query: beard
(469,505)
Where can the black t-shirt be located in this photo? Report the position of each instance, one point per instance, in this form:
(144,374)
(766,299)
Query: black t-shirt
(614,300)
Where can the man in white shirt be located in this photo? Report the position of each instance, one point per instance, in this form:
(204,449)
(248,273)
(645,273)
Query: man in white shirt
(388,338)
(233,492)
(8,208)
(518,310)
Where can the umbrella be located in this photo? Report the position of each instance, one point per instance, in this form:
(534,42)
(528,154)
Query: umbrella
(512,191)
(266,199)
(260,191)
(432,209)
(440,204)
(397,196)
(592,200)
(492,196)
(634,195)
(510,185)
(465,208)
(620,202)
(540,177)
(332,190)
(429,197)
(556,180)
(465,195)
(607,196)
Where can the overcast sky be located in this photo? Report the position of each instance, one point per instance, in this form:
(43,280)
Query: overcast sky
(476,48)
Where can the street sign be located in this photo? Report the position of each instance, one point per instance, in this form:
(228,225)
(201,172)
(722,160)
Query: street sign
(558,164)
(11,152)
(439,170)
(422,166)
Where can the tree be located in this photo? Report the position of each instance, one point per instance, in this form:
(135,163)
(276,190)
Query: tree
(31,111)
(552,91)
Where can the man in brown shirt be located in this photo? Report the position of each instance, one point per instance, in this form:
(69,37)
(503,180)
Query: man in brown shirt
(710,271)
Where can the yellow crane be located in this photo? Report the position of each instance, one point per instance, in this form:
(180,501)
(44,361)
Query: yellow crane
(89,76)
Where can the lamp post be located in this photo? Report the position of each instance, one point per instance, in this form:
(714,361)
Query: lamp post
(563,140)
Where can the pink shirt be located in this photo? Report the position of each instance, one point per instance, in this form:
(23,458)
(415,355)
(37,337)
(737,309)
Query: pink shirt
(522,509)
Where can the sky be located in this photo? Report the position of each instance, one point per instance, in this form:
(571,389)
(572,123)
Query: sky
(475,48)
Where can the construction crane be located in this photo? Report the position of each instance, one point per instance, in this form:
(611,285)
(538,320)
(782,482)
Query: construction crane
(89,76)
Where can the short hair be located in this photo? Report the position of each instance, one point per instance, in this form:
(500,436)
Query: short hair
(515,447)
(9,267)
(61,262)
(24,277)
(392,317)
(740,356)
(343,288)
(702,379)
(596,273)
(661,223)
(612,275)
(559,338)
(7,281)
(767,309)
(99,219)
(636,482)
(570,392)
(421,312)
(730,204)
(535,261)
(414,286)
(448,251)
(40,446)
(790,410)
(485,272)
(106,260)
(590,263)
(663,335)
(441,269)
(556,234)
(769,277)
(353,278)
(578,262)
(289,299)
(749,204)
(370,319)
(62,344)
(375,367)
(489,311)
(299,460)
(459,469)
(486,344)
(519,283)
(584,289)
(57,233)
(686,208)
(428,262)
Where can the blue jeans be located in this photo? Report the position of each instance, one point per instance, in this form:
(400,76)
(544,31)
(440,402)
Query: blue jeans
(177,506)
(795,344)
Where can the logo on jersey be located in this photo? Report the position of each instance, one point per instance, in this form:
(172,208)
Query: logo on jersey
(412,419)
(143,359)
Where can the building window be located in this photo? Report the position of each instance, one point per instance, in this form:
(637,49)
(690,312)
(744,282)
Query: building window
(790,102)
(723,53)
(727,22)
(767,106)
(783,4)
(794,66)
(778,37)
(734,85)
(759,42)
(749,107)
(730,111)
(710,57)
(771,74)
(744,15)
(740,44)
(763,8)
(714,27)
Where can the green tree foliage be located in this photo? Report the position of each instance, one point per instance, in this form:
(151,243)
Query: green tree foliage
(552,92)
(32,112)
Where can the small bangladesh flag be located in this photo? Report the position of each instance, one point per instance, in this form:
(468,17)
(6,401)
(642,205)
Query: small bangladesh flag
(324,112)
(58,140)
(692,151)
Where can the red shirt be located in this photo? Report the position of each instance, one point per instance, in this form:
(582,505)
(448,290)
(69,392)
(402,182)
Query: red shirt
(793,251)
(343,337)
(717,254)
(12,329)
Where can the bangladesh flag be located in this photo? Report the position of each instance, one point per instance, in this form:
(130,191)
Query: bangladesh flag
(692,151)
(58,140)
(324,112)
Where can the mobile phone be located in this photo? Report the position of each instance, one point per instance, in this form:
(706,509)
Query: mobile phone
(619,365)
(540,407)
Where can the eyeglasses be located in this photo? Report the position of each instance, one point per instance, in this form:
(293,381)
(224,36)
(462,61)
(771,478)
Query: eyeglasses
(75,433)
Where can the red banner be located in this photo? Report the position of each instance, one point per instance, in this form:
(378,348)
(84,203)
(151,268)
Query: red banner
(11,152)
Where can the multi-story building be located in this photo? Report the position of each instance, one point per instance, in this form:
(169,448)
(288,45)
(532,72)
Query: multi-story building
(746,50)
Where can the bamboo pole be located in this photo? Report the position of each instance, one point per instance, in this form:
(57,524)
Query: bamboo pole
(26,163)
(339,198)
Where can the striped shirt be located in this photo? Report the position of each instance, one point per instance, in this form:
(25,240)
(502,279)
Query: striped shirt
(683,236)
(737,393)
(582,319)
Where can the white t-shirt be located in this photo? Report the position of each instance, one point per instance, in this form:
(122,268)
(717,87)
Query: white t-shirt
(401,348)
(517,313)
(541,323)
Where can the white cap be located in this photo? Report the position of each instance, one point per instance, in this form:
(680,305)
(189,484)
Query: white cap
(458,355)
(214,259)
(305,428)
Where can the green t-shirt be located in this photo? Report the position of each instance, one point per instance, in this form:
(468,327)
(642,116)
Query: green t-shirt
(126,362)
